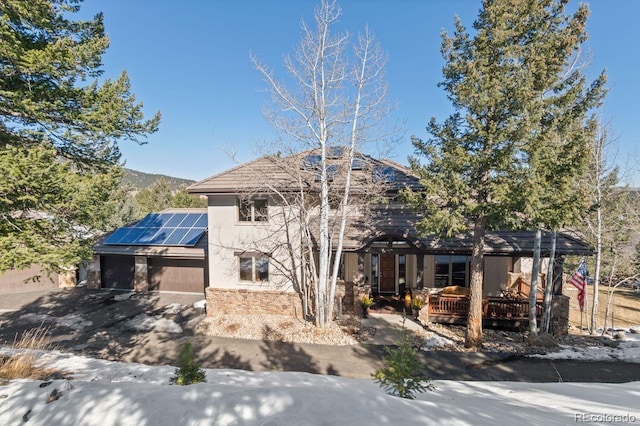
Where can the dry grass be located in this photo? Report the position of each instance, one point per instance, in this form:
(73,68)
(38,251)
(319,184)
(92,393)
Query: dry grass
(625,307)
(24,363)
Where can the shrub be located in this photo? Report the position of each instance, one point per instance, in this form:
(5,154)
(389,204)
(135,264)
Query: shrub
(366,301)
(400,376)
(416,303)
(189,371)
(23,364)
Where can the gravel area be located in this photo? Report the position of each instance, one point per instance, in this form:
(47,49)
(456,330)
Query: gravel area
(350,332)
(282,328)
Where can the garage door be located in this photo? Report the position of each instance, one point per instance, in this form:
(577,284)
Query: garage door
(177,275)
(117,272)
(16,281)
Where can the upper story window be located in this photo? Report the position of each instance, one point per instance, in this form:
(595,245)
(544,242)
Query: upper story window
(252,210)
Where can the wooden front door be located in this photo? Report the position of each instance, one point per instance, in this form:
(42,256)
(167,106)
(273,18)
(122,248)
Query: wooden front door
(387,273)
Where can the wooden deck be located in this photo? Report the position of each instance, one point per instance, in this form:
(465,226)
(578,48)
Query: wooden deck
(496,311)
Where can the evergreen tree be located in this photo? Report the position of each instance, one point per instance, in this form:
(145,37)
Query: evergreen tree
(517,98)
(182,199)
(153,199)
(189,372)
(59,130)
(401,374)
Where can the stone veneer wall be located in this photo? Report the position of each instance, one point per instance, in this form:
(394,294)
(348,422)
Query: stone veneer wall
(358,292)
(141,274)
(347,298)
(559,315)
(222,301)
(93,274)
(67,278)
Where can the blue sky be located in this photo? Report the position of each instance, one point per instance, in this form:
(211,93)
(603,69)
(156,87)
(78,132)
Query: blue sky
(190,60)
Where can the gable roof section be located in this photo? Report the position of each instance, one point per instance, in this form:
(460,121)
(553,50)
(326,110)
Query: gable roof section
(270,173)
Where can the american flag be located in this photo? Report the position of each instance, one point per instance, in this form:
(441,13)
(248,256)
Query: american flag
(579,281)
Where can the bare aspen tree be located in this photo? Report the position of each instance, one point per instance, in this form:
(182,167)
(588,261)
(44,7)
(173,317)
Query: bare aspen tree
(331,104)
(610,221)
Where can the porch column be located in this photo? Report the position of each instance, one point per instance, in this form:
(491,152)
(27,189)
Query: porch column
(420,271)
(93,274)
(558,271)
(140,274)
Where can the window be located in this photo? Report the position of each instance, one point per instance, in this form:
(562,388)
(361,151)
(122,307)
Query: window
(452,270)
(253,210)
(402,268)
(253,268)
(375,272)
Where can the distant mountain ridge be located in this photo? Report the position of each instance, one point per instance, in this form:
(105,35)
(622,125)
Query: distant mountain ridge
(136,180)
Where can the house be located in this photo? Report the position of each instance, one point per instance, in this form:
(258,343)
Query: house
(246,251)
(255,250)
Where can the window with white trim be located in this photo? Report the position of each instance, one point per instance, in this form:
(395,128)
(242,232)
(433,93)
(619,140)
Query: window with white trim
(253,268)
(252,210)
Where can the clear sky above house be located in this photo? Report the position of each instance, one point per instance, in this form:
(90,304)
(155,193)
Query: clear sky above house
(190,60)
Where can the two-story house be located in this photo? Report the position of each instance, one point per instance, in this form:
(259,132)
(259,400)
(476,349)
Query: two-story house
(251,257)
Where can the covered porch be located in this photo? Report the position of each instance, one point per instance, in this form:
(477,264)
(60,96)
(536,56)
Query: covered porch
(392,265)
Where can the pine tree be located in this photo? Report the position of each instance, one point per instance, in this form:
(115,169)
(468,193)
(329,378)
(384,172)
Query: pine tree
(59,130)
(189,372)
(401,375)
(154,199)
(182,199)
(517,100)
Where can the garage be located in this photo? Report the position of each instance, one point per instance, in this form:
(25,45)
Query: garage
(117,272)
(33,278)
(178,275)
(164,251)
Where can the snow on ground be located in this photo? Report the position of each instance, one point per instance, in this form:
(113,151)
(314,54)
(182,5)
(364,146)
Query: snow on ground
(75,322)
(144,322)
(626,350)
(113,393)
(172,309)
(123,296)
(436,341)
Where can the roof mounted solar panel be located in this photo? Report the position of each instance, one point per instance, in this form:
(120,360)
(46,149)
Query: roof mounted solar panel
(311,162)
(335,152)
(162,229)
(384,174)
(358,163)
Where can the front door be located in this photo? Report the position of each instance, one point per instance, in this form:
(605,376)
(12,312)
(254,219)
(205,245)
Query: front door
(387,273)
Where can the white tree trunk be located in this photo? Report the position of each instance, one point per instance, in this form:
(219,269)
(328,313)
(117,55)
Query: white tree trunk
(533,323)
(548,291)
(596,278)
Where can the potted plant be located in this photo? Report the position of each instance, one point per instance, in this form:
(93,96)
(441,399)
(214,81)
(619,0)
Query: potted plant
(366,301)
(416,305)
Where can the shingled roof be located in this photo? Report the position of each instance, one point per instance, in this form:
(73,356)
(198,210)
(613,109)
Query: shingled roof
(269,173)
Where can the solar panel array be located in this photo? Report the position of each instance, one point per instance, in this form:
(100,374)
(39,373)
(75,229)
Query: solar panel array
(162,229)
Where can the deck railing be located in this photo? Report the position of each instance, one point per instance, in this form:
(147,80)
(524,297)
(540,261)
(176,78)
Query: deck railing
(454,308)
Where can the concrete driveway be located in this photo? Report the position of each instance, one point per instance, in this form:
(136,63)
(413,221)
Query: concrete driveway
(151,327)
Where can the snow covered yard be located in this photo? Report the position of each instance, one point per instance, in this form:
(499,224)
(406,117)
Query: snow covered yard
(113,393)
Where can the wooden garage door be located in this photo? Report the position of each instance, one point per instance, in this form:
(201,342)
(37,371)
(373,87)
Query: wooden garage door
(177,275)
(30,279)
(117,272)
